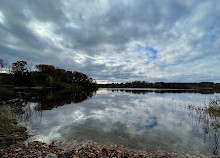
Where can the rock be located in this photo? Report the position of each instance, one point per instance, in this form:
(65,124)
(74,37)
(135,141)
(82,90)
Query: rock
(104,149)
(83,149)
(18,149)
(51,155)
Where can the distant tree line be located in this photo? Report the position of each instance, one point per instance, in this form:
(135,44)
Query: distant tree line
(21,74)
(167,85)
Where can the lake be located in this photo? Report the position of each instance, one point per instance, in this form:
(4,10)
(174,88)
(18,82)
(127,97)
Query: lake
(147,119)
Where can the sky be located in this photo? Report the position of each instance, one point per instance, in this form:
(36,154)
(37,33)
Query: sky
(116,40)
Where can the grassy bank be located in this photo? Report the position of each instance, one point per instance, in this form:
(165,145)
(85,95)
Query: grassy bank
(10,132)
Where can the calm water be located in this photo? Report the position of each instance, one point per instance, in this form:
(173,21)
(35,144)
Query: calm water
(137,118)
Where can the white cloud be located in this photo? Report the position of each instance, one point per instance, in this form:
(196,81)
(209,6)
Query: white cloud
(2,19)
(87,36)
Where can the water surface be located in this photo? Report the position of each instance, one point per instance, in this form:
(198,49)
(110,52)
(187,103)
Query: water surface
(147,119)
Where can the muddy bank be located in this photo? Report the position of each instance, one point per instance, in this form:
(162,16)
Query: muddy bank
(86,149)
(19,134)
(31,150)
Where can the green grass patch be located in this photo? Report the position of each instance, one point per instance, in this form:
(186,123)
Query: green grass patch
(8,128)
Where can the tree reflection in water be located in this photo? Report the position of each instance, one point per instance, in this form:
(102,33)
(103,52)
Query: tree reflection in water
(52,99)
(208,117)
(30,103)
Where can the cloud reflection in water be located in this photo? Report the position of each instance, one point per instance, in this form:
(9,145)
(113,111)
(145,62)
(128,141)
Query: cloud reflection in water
(146,121)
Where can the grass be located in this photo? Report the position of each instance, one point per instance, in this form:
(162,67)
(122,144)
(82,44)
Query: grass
(213,108)
(208,117)
(6,123)
(8,128)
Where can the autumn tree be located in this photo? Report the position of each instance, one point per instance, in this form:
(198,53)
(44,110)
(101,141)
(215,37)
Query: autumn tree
(54,76)
(46,74)
(21,76)
(80,77)
(46,69)
(60,74)
(69,76)
(19,67)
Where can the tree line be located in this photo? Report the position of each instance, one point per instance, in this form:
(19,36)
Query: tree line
(167,85)
(21,74)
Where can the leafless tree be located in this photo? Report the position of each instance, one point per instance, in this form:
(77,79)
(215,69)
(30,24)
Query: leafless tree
(3,64)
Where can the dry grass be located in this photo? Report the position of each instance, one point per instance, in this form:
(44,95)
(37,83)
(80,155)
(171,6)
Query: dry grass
(9,131)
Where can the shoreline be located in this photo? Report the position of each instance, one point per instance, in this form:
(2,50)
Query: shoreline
(62,148)
(86,149)
(19,134)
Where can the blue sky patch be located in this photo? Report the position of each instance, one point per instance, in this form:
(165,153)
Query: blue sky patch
(147,51)
(127,61)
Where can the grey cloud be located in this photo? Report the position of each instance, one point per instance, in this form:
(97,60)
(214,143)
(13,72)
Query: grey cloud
(80,35)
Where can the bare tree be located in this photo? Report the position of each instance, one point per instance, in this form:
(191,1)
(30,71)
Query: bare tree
(19,67)
(3,64)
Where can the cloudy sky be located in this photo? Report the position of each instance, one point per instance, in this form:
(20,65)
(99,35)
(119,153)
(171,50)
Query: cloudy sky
(116,40)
